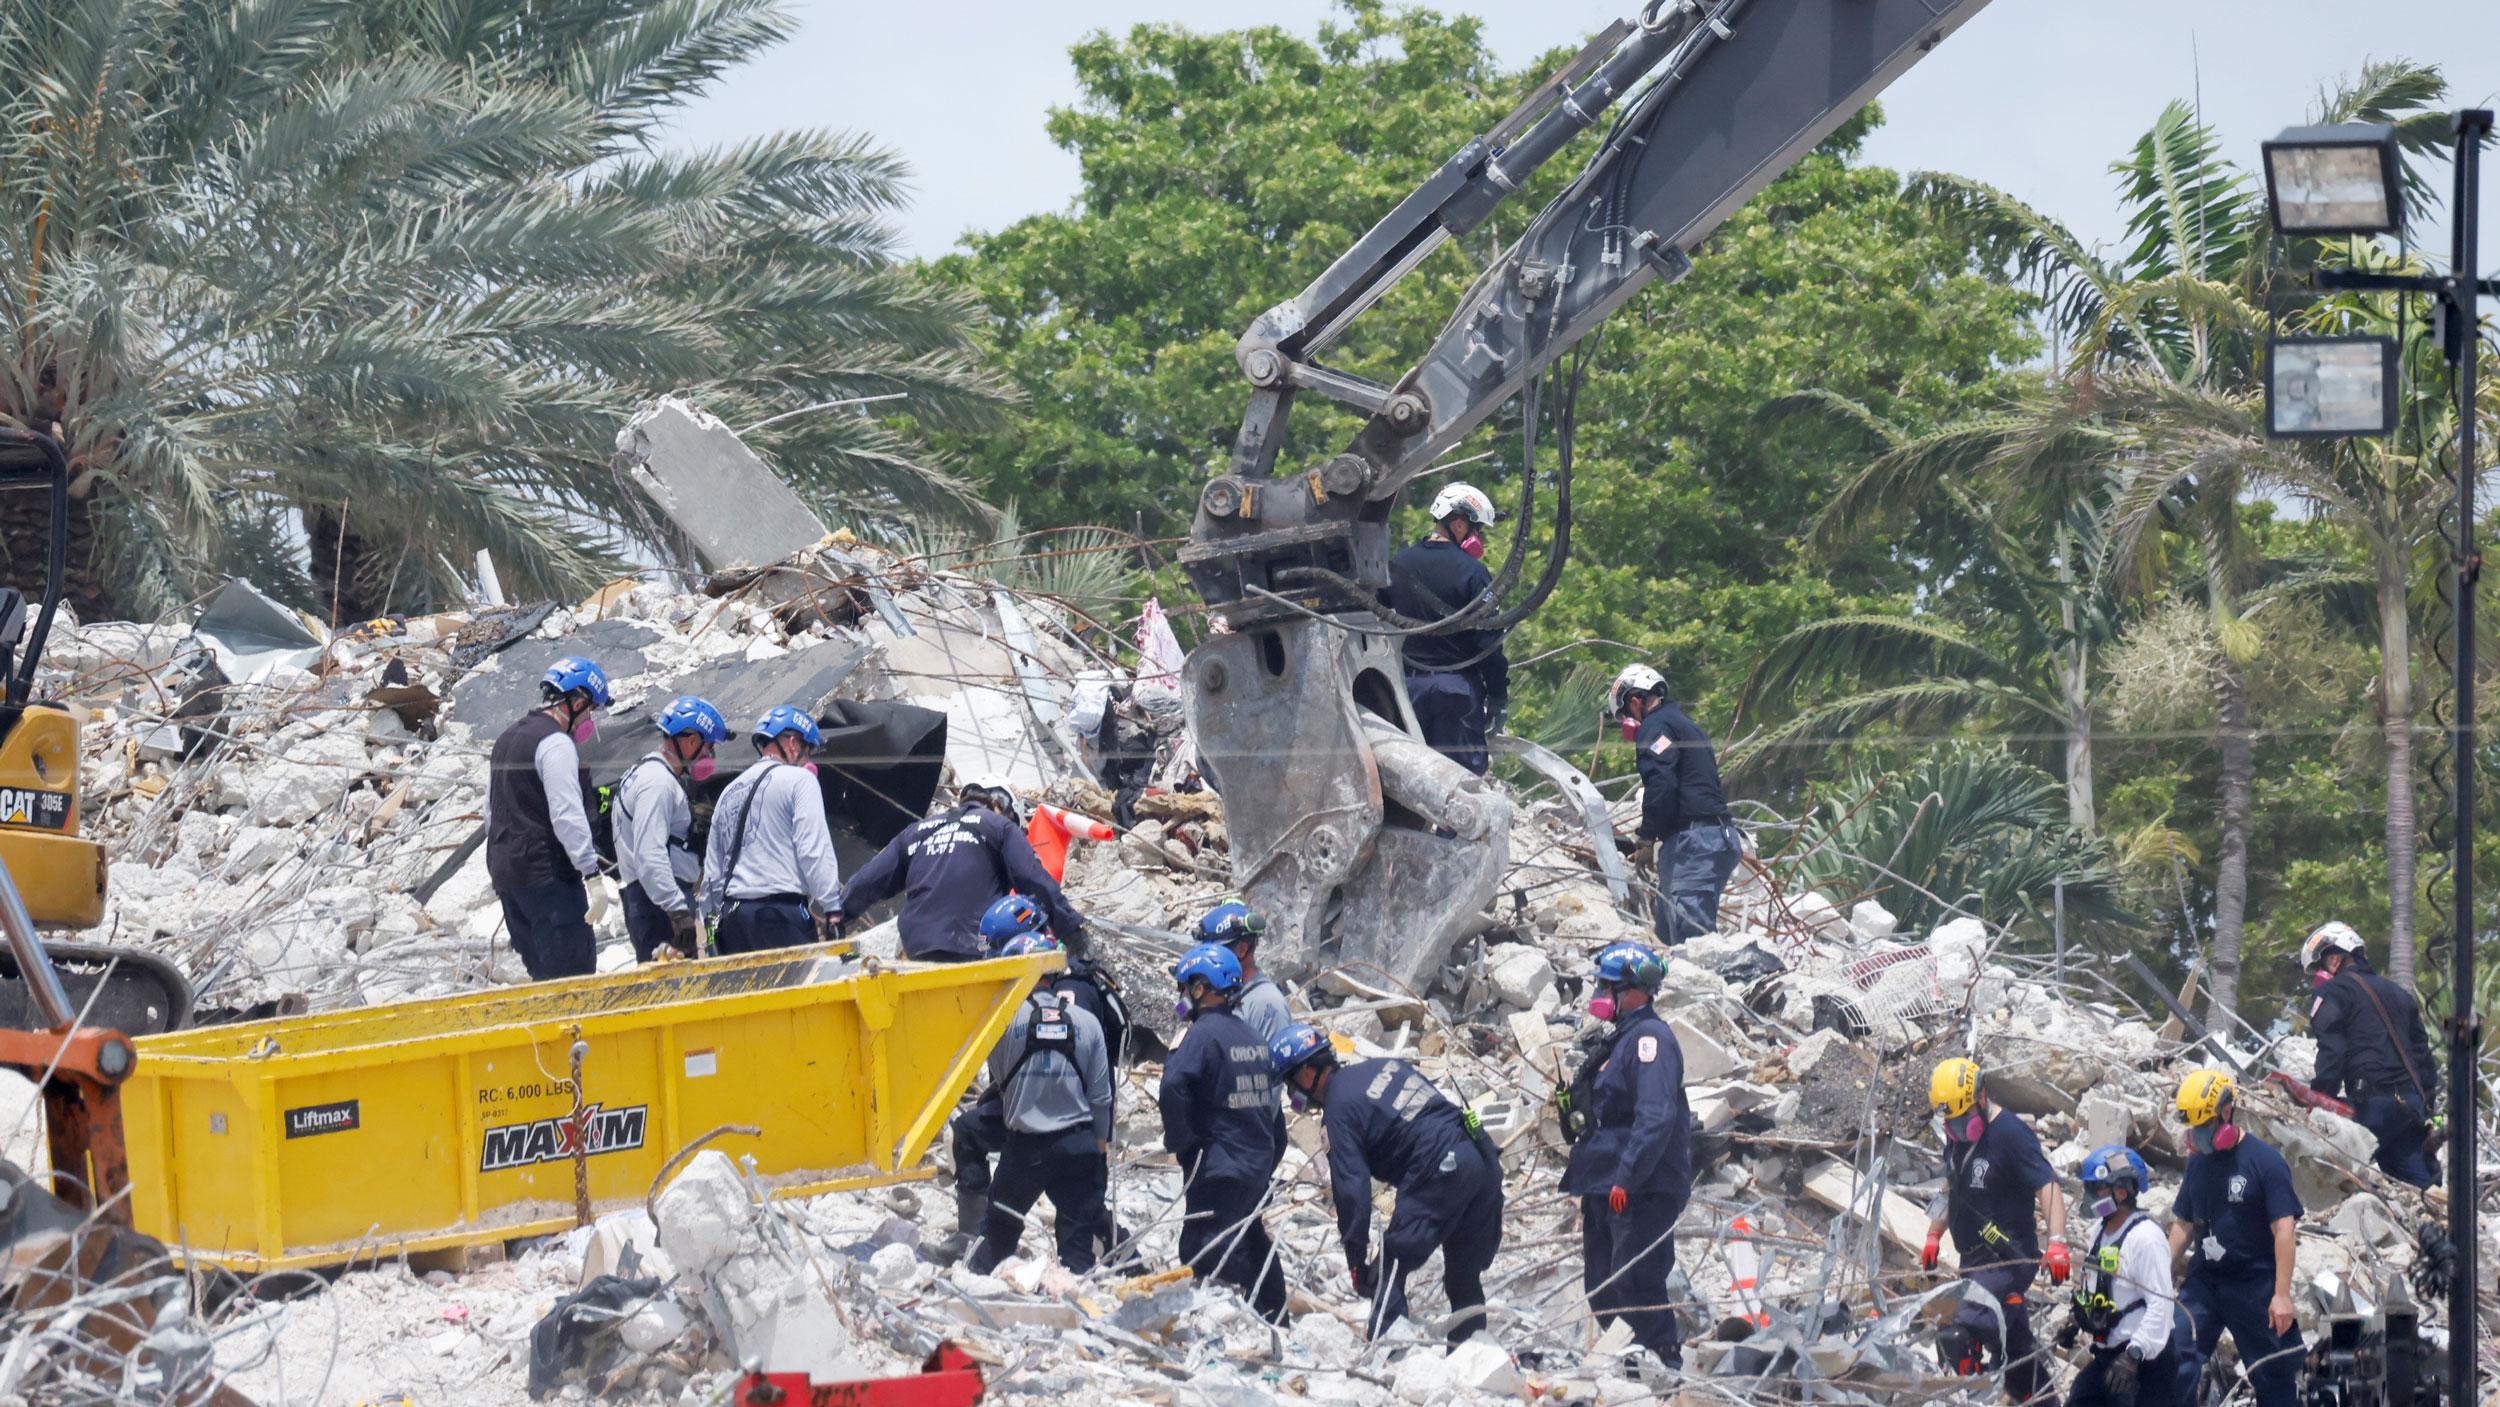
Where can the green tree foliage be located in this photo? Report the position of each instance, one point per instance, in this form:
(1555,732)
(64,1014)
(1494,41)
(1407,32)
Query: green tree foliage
(402,266)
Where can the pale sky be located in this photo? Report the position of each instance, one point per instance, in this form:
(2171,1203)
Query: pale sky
(2036,96)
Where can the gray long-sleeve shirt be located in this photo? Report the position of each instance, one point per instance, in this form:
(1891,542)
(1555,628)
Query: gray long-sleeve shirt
(1262,1004)
(784,848)
(559,766)
(652,818)
(1053,1091)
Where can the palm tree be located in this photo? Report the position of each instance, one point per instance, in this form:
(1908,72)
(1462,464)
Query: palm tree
(397,270)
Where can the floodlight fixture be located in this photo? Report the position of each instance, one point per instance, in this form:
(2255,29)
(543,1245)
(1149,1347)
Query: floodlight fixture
(2330,387)
(2343,178)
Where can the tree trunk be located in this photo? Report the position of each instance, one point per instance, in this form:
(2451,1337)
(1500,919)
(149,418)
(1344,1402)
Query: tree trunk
(2395,701)
(350,572)
(2073,679)
(25,543)
(2239,783)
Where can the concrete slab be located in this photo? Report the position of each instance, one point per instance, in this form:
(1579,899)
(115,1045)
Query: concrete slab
(732,508)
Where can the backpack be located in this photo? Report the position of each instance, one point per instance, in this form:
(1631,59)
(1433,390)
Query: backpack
(1576,1102)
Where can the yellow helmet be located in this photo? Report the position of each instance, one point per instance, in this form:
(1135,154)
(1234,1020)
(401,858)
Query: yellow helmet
(1954,1088)
(2203,1094)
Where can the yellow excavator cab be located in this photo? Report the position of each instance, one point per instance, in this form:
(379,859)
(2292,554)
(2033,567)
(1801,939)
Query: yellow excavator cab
(60,875)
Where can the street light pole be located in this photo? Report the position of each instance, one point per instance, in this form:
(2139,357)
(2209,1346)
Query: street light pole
(2464,1030)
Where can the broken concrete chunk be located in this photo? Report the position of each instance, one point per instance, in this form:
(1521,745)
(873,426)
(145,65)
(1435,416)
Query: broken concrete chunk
(1871,921)
(1520,974)
(1704,1057)
(705,1213)
(1813,1051)
(730,505)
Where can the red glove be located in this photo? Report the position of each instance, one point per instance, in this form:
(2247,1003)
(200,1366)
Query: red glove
(1928,1253)
(1617,1199)
(2059,1260)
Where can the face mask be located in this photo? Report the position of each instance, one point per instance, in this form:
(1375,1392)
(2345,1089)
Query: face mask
(1180,1009)
(1295,1097)
(1631,729)
(2105,1207)
(1602,1006)
(2319,977)
(1965,1129)
(585,727)
(810,766)
(2214,1137)
(1473,546)
(702,768)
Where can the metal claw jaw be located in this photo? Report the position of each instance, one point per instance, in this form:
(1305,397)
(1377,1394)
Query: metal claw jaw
(1363,846)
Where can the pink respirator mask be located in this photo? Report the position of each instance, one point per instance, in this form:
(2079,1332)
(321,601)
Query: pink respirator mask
(1473,546)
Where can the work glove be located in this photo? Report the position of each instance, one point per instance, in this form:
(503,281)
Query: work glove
(828,927)
(2068,1333)
(2059,1260)
(1932,1251)
(1627,845)
(1617,1199)
(1366,1278)
(2118,1385)
(683,931)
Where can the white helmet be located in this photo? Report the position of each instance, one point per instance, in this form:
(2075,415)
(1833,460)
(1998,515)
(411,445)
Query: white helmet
(1635,679)
(2334,937)
(1463,501)
(995,792)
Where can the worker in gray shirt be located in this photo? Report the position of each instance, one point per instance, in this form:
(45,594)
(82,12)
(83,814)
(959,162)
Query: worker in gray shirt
(1238,927)
(655,866)
(1052,1076)
(769,874)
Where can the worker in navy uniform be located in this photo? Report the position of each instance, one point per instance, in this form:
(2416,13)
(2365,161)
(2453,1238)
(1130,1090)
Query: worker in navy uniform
(1388,1123)
(2142,1352)
(1996,1177)
(539,852)
(1238,928)
(1633,1171)
(951,867)
(1223,1121)
(656,868)
(2372,1050)
(2237,1219)
(1683,805)
(979,1131)
(1051,1074)
(1457,680)
(769,871)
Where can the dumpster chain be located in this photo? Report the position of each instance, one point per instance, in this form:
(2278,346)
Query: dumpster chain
(581,1135)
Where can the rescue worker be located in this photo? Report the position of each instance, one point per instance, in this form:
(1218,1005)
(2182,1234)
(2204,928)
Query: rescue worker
(1633,1172)
(1238,928)
(1051,1074)
(656,868)
(1223,1121)
(2372,1050)
(539,852)
(951,867)
(769,873)
(1683,805)
(2236,1219)
(1457,680)
(979,1131)
(2141,1352)
(1387,1122)
(1995,1178)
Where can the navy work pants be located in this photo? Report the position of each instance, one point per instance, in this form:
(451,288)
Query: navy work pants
(2216,1302)
(2166,1381)
(979,1131)
(1450,711)
(1693,866)
(2397,1122)
(1068,1167)
(2008,1288)
(1223,1238)
(550,928)
(753,925)
(646,923)
(1459,1214)
(1624,1264)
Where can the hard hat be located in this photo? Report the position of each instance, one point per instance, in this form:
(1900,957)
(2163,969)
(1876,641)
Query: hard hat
(2116,1165)
(1008,917)
(574,674)
(1232,923)
(1211,962)
(1629,964)
(1954,1087)
(688,714)
(2203,1094)
(1026,944)
(1462,501)
(2329,938)
(1297,1045)
(1635,679)
(993,793)
(785,719)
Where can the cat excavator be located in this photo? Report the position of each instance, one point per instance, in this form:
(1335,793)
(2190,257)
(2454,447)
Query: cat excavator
(1366,849)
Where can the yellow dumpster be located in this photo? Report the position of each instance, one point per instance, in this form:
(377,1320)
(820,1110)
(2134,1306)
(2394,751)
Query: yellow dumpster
(315,1140)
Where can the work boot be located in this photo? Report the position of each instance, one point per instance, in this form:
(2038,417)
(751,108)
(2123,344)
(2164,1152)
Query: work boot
(971,1210)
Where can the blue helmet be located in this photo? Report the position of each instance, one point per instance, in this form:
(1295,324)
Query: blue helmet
(2115,1164)
(1629,964)
(1297,1045)
(574,674)
(1211,961)
(1027,944)
(688,714)
(1009,917)
(1232,923)
(785,719)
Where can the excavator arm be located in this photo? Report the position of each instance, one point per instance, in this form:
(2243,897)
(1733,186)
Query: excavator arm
(1364,847)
